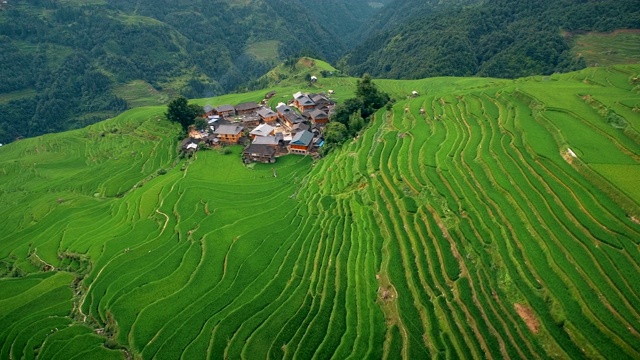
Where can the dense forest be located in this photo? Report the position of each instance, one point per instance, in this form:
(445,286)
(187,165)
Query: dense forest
(504,38)
(63,60)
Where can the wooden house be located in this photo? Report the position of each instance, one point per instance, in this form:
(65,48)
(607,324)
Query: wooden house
(208,110)
(267,115)
(302,101)
(259,153)
(247,108)
(301,143)
(262,130)
(226,110)
(319,117)
(298,128)
(229,134)
(282,110)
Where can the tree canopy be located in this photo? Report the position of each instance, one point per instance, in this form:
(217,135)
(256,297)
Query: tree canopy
(501,38)
(180,111)
(354,114)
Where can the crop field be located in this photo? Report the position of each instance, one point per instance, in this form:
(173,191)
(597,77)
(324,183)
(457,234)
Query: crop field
(457,225)
(264,50)
(605,49)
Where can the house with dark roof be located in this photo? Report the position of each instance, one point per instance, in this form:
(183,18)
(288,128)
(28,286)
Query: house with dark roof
(282,109)
(259,153)
(320,100)
(302,101)
(229,134)
(247,108)
(267,115)
(189,144)
(270,94)
(226,110)
(292,118)
(319,117)
(298,128)
(301,143)
(208,110)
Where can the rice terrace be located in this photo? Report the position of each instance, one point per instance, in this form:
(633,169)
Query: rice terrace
(481,218)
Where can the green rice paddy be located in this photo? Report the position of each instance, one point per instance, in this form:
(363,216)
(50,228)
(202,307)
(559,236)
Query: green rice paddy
(456,226)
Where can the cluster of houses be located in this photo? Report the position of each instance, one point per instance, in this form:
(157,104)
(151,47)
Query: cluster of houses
(295,127)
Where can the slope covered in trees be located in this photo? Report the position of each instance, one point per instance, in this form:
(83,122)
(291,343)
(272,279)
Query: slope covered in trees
(66,64)
(480,218)
(504,38)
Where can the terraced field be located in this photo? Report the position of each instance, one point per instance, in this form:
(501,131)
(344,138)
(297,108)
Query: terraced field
(458,225)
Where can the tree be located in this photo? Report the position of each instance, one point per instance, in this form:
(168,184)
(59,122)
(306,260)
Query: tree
(335,133)
(356,122)
(201,124)
(179,110)
(372,98)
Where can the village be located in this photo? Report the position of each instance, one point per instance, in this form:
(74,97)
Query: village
(295,127)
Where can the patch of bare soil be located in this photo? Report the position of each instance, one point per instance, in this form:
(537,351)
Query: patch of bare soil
(635,220)
(528,316)
(567,157)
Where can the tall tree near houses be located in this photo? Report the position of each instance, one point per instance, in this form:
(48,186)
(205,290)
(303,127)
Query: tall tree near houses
(179,110)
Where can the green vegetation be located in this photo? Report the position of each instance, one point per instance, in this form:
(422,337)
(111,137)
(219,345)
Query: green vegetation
(352,115)
(68,64)
(264,50)
(505,38)
(456,225)
(180,111)
(606,49)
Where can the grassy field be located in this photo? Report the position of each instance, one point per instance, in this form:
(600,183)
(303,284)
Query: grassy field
(264,50)
(605,49)
(468,231)
(139,93)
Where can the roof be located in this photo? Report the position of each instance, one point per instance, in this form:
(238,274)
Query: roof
(318,114)
(207,108)
(303,138)
(263,130)
(260,149)
(266,112)
(303,98)
(318,98)
(192,146)
(228,129)
(225,108)
(268,140)
(294,118)
(283,109)
(299,127)
(247,106)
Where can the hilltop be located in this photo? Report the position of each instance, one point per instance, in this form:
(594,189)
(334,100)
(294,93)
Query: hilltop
(477,217)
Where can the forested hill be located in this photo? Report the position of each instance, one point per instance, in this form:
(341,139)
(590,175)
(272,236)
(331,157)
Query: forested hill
(66,64)
(504,38)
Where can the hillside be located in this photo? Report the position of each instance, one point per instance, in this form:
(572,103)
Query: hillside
(505,38)
(67,64)
(481,218)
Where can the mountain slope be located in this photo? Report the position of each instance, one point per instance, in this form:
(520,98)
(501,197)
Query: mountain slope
(69,64)
(499,38)
(480,218)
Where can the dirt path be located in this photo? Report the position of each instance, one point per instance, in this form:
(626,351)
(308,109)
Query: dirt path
(528,317)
